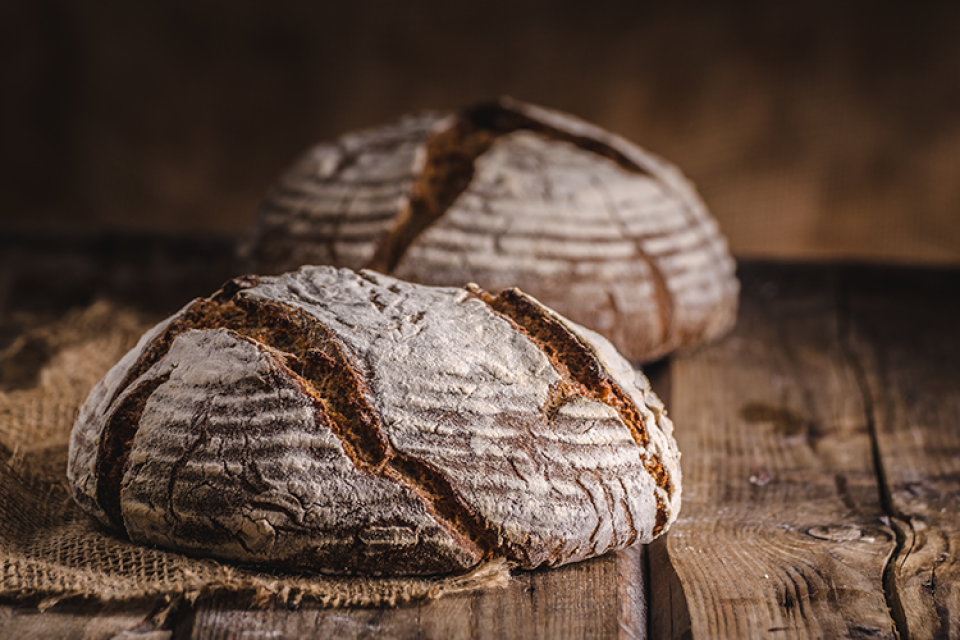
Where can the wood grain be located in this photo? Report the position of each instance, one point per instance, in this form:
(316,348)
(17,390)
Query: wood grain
(599,598)
(905,337)
(782,527)
(82,621)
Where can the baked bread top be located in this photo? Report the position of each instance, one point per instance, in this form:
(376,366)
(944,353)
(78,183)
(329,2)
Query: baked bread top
(355,423)
(510,194)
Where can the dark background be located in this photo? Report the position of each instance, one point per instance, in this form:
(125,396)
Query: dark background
(813,130)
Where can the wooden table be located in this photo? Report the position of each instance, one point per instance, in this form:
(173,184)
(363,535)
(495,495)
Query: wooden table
(821,460)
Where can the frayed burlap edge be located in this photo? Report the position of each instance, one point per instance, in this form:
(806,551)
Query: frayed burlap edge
(50,551)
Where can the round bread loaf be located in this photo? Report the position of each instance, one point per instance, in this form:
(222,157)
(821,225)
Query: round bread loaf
(353,423)
(507,194)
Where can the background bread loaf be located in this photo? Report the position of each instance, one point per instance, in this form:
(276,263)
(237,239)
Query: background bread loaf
(510,194)
(354,423)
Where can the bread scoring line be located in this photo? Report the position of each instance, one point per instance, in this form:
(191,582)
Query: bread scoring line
(369,450)
(582,380)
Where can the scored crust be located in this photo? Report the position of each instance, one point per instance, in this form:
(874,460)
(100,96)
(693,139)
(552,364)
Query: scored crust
(508,194)
(354,423)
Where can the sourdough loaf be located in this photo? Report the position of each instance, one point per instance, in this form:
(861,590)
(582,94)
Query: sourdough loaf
(510,194)
(354,423)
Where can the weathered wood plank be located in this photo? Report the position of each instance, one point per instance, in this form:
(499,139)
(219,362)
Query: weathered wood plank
(81,621)
(905,338)
(599,598)
(222,620)
(576,601)
(632,588)
(781,533)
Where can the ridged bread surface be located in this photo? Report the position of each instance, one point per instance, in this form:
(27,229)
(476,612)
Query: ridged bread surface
(590,224)
(355,423)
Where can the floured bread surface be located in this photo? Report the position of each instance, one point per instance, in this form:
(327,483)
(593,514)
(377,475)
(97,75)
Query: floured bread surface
(507,194)
(354,423)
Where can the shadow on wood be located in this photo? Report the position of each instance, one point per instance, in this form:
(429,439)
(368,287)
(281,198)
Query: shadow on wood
(668,613)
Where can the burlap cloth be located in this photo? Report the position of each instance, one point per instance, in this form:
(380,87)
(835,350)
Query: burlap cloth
(50,550)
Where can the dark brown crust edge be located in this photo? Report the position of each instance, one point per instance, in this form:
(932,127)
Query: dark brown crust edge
(115,445)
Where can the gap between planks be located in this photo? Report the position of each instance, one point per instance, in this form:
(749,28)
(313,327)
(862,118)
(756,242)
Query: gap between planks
(903,338)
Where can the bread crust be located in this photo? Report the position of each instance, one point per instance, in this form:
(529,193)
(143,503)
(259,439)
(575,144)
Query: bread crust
(511,194)
(354,423)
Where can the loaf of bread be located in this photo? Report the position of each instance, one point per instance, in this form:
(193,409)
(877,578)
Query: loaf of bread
(507,194)
(353,423)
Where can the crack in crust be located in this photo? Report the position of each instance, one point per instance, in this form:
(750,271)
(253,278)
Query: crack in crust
(313,356)
(446,174)
(500,118)
(115,447)
(581,374)
(450,158)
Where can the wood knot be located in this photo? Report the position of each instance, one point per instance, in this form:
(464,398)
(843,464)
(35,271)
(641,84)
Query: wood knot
(836,533)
